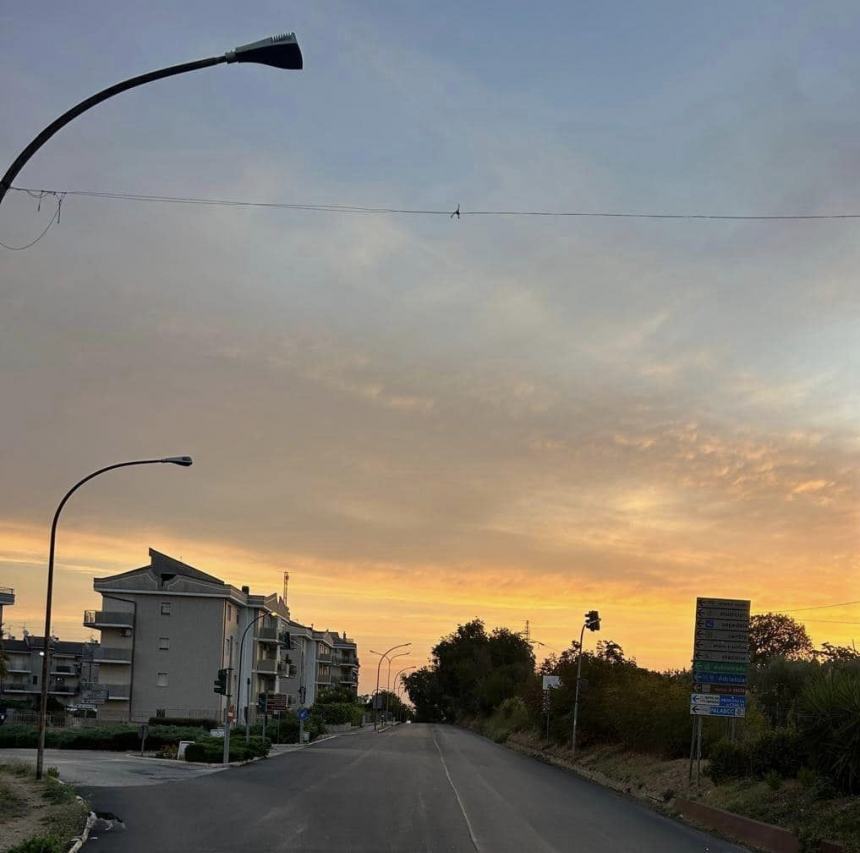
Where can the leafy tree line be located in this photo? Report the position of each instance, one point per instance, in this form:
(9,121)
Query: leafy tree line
(806,698)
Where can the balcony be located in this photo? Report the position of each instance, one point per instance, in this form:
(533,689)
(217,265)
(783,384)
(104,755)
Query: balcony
(116,692)
(18,666)
(63,669)
(108,619)
(268,666)
(19,687)
(7,595)
(108,655)
(267,635)
(324,657)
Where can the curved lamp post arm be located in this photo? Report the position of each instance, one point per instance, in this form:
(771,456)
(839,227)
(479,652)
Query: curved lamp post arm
(279,51)
(382,657)
(184,461)
(239,679)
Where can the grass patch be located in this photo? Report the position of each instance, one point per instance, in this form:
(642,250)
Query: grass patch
(37,817)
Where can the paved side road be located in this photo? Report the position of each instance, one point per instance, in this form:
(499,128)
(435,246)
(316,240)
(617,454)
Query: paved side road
(111,769)
(415,788)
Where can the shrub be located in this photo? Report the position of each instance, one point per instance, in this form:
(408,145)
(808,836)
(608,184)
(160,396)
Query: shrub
(52,771)
(829,721)
(210,750)
(780,750)
(773,780)
(807,778)
(40,844)
(339,713)
(190,722)
(118,738)
(728,761)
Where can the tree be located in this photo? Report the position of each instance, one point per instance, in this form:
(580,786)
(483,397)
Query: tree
(425,693)
(775,635)
(831,653)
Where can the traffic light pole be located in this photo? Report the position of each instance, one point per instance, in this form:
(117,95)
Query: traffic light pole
(228,695)
(576,696)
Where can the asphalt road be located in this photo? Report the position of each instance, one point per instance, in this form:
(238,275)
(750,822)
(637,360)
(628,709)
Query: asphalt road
(414,788)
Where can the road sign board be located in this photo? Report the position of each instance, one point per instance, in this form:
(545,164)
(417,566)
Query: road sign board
(738,603)
(733,689)
(723,645)
(717,711)
(711,624)
(705,634)
(304,713)
(720,666)
(550,682)
(276,702)
(722,657)
(722,613)
(719,699)
(719,678)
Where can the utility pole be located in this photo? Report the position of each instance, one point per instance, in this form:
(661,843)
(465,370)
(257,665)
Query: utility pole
(592,622)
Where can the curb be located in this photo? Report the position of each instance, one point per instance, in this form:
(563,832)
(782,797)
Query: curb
(81,839)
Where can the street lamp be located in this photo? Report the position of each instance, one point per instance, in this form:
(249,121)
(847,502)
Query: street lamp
(183,461)
(281,51)
(397,685)
(592,622)
(388,681)
(382,656)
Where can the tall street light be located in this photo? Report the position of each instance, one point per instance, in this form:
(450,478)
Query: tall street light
(397,685)
(382,656)
(281,51)
(388,682)
(184,461)
(592,622)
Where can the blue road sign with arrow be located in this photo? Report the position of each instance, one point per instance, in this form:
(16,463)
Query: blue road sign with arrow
(304,713)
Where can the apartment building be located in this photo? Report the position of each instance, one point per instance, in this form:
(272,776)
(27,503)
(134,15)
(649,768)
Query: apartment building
(72,665)
(166,630)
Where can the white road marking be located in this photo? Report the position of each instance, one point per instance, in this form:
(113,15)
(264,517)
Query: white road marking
(454,789)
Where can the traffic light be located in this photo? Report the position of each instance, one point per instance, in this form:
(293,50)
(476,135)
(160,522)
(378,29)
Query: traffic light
(592,620)
(261,703)
(285,640)
(221,682)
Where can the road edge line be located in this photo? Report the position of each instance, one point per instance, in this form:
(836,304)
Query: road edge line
(454,789)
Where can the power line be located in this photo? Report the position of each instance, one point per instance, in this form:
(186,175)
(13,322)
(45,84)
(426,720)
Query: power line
(820,607)
(458,212)
(55,218)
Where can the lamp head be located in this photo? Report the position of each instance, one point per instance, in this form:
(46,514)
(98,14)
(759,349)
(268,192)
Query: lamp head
(281,51)
(184,461)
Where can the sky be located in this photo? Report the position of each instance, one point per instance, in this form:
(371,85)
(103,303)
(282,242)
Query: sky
(427,419)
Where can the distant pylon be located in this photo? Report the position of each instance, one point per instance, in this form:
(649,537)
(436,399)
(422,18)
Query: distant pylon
(286,585)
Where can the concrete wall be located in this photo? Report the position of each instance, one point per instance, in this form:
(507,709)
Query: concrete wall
(195,631)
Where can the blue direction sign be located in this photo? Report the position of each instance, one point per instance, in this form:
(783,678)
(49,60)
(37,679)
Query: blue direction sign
(721,700)
(304,713)
(717,711)
(702,675)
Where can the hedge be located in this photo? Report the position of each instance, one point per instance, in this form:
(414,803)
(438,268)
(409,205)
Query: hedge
(210,750)
(194,722)
(115,738)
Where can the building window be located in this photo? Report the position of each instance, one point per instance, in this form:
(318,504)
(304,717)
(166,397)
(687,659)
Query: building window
(165,608)
(164,643)
(161,679)
(35,679)
(160,713)
(229,613)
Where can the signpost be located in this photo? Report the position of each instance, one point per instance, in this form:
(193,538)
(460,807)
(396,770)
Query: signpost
(550,682)
(720,664)
(303,714)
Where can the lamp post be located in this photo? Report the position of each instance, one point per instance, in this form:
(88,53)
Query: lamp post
(183,461)
(397,686)
(281,51)
(388,682)
(239,679)
(592,622)
(382,656)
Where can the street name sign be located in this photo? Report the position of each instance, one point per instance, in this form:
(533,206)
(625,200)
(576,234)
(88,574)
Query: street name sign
(720,657)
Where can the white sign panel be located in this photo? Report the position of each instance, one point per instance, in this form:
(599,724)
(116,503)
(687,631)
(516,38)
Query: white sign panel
(550,682)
